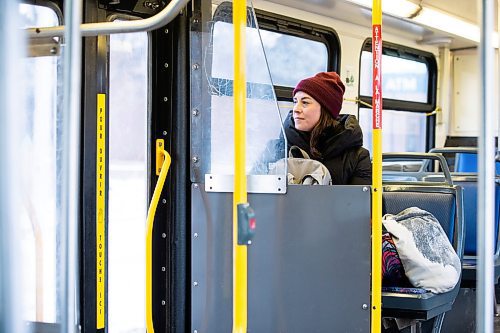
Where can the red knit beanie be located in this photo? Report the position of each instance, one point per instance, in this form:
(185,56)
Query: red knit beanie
(326,88)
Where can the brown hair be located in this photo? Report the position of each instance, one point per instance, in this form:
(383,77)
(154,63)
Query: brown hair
(325,120)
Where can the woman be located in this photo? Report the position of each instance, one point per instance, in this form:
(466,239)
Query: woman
(315,126)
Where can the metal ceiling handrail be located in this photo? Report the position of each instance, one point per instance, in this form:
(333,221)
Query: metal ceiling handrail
(165,16)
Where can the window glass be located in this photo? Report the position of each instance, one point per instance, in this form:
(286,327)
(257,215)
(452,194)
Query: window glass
(37,16)
(127,182)
(293,58)
(402,131)
(290,58)
(40,230)
(403,79)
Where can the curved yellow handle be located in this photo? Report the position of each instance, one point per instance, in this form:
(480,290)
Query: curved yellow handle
(149,238)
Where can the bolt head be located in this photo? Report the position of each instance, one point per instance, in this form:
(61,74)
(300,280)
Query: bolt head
(195,235)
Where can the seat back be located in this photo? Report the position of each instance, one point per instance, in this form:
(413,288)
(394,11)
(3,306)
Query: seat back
(444,202)
(466,162)
(497,215)
(469,185)
(464,159)
(470,215)
(465,175)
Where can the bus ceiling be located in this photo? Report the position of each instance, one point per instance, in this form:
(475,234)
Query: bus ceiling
(451,23)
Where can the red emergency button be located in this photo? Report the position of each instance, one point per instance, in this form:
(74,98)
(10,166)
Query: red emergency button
(251,223)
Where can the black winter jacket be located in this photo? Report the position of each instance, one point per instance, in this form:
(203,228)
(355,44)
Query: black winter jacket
(341,150)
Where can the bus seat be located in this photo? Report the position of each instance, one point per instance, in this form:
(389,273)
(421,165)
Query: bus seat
(445,203)
(465,175)
(469,185)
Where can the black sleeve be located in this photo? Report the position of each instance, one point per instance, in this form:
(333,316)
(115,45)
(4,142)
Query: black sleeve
(362,174)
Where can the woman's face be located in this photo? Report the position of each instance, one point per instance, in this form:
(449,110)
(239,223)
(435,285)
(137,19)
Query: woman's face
(306,111)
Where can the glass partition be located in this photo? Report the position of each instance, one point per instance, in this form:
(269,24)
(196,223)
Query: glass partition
(213,119)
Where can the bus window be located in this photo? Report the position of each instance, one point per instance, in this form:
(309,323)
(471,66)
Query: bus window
(296,50)
(293,58)
(403,131)
(409,90)
(404,79)
(40,230)
(285,52)
(127,181)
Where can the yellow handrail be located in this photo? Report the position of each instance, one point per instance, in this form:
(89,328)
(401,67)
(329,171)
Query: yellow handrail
(376,309)
(240,180)
(149,233)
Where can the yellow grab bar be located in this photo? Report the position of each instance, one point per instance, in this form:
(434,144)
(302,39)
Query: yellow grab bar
(240,179)
(160,153)
(376,309)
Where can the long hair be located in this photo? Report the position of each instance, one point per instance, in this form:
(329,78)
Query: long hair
(325,120)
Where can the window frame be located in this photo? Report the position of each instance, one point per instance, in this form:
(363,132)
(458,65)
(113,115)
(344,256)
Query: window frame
(408,53)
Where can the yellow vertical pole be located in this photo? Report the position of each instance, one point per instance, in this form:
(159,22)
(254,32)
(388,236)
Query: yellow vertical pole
(240,180)
(376,309)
